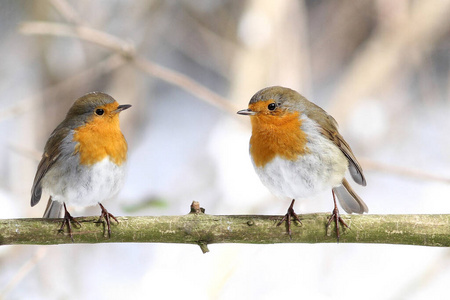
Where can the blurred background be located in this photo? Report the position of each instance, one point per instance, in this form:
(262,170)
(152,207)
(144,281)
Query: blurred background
(381,68)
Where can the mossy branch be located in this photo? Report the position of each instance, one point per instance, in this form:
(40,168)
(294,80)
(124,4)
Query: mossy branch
(203,229)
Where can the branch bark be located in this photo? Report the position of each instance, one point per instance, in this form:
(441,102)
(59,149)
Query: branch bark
(203,229)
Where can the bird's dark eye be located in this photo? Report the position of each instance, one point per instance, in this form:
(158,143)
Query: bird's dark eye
(99,111)
(272,106)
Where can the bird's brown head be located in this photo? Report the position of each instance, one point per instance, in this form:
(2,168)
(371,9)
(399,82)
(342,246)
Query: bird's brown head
(276,124)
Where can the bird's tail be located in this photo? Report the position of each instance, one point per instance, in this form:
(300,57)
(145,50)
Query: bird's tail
(53,210)
(349,200)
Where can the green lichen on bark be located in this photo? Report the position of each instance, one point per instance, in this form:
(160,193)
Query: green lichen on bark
(203,229)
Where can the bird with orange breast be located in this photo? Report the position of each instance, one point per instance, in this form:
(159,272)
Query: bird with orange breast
(84,159)
(297,152)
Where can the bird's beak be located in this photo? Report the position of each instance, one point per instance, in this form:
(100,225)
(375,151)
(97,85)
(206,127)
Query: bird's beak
(246,112)
(122,107)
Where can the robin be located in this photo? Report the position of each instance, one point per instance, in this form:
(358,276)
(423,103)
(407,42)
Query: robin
(297,152)
(84,158)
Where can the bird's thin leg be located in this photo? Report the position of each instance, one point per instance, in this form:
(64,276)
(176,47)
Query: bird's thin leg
(288,216)
(107,216)
(67,220)
(336,217)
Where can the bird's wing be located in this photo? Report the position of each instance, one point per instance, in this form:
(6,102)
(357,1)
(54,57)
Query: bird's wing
(52,153)
(329,129)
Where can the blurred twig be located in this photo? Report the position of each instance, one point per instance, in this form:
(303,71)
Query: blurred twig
(109,64)
(33,155)
(384,55)
(81,32)
(67,11)
(23,271)
(202,229)
(185,83)
(402,171)
(127,50)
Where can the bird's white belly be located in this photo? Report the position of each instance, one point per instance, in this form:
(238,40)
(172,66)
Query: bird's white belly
(84,185)
(322,167)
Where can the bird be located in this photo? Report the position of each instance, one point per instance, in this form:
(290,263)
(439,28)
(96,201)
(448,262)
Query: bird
(84,160)
(298,152)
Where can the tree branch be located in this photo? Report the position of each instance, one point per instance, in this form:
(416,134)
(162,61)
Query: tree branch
(202,229)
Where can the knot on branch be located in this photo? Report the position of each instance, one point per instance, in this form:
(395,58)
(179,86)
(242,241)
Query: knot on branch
(196,209)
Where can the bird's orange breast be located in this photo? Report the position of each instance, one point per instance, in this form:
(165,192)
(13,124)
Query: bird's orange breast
(101,138)
(279,135)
